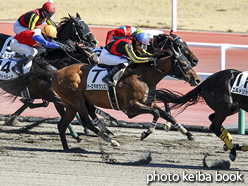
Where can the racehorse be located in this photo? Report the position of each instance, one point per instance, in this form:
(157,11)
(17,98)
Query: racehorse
(131,91)
(73,28)
(162,42)
(224,92)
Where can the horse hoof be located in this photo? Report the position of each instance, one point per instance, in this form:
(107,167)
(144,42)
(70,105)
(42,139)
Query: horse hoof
(115,143)
(144,135)
(79,140)
(88,132)
(167,126)
(232,154)
(191,138)
(225,148)
(244,148)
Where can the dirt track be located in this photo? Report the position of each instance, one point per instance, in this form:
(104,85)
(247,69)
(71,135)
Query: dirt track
(36,158)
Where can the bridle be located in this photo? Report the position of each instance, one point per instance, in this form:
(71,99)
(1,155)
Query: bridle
(80,37)
(175,60)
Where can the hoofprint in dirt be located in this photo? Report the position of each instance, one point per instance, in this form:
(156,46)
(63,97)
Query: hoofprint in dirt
(36,158)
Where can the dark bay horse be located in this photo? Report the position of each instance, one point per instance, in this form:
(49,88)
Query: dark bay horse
(219,95)
(132,91)
(161,41)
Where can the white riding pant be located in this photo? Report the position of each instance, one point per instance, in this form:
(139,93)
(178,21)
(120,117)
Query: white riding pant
(110,59)
(26,49)
(18,28)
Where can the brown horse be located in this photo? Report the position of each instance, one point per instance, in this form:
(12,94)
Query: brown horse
(132,92)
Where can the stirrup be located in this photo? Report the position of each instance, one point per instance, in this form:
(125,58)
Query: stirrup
(108,81)
(17,70)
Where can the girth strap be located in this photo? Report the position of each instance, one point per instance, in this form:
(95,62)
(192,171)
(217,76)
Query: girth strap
(113,98)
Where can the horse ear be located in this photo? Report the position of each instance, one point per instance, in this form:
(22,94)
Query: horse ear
(171,32)
(70,16)
(78,15)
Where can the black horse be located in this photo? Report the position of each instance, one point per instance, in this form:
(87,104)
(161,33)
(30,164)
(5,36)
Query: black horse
(77,30)
(224,92)
(70,28)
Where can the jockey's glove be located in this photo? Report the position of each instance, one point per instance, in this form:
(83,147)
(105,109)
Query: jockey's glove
(62,46)
(152,60)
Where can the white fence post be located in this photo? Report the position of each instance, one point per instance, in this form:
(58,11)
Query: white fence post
(51,2)
(174,15)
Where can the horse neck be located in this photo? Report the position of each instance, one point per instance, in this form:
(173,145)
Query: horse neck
(152,76)
(65,33)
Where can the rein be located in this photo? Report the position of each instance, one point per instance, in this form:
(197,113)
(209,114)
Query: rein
(88,58)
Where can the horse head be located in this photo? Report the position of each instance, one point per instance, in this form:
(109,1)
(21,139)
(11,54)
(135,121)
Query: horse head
(162,41)
(77,30)
(181,66)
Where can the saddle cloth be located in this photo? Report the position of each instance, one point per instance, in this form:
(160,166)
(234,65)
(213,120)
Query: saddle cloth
(240,85)
(94,79)
(6,51)
(5,68)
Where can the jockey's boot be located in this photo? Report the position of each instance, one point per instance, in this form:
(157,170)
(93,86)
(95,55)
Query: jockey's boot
(108,79)
(17,69)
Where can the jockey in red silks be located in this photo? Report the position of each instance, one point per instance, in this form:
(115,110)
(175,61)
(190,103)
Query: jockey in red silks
(114,54)
(29,42)
(34,18)
(120,33)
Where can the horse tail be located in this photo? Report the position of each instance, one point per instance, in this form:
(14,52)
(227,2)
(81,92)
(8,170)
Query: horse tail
(16,85)
(179,101)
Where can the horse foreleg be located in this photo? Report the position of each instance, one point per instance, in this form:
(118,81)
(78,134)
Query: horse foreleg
(60,109)
(106,116)
(167,125)
(214,127)
(82,123)
(32,105)
(226,134)
(14,116)
(168,117)
(63,124)
(84,116)
(142,109)
(92,112)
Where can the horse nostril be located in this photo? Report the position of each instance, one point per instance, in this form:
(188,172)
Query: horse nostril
(198,81)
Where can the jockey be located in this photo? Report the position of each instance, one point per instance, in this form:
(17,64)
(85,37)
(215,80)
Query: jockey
(115,53)
(29,43)
(34,18)
(120,33)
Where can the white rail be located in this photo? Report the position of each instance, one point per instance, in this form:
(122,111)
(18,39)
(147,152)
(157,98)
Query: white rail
(223,47)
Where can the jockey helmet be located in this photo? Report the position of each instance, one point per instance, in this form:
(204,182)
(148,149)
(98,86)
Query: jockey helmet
(50,31)
(49,9)
(138,31)
(142,38)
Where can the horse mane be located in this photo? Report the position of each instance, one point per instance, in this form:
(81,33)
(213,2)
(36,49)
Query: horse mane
(161,53)
(157,39)
(64,21)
